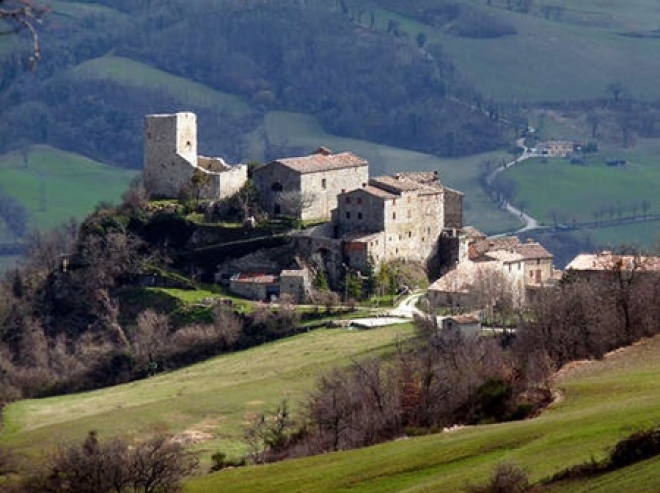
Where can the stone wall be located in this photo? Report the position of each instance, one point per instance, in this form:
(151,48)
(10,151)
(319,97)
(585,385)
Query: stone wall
(453,209)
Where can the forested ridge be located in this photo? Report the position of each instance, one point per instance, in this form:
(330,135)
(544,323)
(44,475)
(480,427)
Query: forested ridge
(327,59)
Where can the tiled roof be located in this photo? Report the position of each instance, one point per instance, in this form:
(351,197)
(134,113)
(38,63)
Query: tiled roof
(378,192)
(256,278)
(402,182)
(480,247)
(533,251)
(608,261)
(505,255)
(323,162)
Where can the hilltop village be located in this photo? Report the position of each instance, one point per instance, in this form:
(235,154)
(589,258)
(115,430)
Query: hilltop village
(351,222)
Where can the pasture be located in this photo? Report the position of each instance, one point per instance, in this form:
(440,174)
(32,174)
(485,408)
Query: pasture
(209,401)
(600,403)
(55,185)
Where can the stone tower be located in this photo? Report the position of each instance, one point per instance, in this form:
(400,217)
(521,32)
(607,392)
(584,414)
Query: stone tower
(170,152)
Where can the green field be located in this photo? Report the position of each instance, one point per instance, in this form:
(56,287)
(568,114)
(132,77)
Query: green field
(211,399)
(601,403)
(55,185)
(549,60)
(298,130)
(579,191)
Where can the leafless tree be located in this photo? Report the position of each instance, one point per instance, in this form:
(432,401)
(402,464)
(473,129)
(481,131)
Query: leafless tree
(157,465)
(23,15)
(295,202)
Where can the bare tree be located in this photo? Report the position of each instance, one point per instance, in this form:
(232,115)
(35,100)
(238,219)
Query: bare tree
(23,15)
(295,202)
(115,466)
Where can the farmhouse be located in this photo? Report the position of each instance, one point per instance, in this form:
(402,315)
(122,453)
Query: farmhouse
(599,266)
(171,162)
(557,148)
(397,217)
(307,187)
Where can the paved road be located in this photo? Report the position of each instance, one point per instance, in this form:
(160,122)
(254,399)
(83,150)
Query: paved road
(529,223)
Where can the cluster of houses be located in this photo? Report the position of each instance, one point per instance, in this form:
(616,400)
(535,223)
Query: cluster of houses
(408,216)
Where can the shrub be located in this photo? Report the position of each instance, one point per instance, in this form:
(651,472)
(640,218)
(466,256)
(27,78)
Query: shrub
(505,478)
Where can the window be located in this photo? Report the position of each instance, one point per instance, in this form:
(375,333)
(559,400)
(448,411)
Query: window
(393,201)
(409,234)
(428,230)
(359,216)
(538,261)
(509,267)
(359,200)
(348,200)
(394,216)
(348,215)
(276,187)
(323,184)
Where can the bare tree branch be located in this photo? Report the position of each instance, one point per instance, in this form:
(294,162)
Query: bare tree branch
(22,15)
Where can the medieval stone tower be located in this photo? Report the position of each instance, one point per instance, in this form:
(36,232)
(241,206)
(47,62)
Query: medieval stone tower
(170,152)
(171,160)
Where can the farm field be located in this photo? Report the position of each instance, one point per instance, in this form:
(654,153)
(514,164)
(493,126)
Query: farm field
(554,189)
(56,185)
(601,403)
(209,400)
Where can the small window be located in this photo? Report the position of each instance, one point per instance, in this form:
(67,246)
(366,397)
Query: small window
(276,187)
(428,230)
(348,215)
(394,216)
(359,200)
(323,184)
(538,261)
(359,216)
(393,201)
(348,200)
(409,234)
(400,237)
(509,267)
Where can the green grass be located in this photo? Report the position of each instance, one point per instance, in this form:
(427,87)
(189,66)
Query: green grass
(213,397)
(137,74)
(602,402)
(578,191)
(56,185)
(295,129)
(549,60)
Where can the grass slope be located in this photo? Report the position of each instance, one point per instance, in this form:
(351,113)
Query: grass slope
(298,130)
(602,402)
(211,398)
(137,74)
(551,60)
(56,185)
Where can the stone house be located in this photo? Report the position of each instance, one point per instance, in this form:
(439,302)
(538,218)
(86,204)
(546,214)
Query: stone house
(557,148)
(599,266)
(308,186)
(255,285)
(171,161)
(296,284)
(469,325)
(396,217)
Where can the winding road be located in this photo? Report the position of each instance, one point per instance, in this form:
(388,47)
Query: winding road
(529,223)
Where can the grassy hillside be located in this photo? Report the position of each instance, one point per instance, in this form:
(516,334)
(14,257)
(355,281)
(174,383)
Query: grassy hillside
(136,74)
(55,185)
(209,400)
(601,402)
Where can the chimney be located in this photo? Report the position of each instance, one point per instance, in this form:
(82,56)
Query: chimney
(323,151)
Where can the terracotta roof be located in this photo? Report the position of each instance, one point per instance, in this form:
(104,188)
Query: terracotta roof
(256,278)
(402,182)
(375,191)
(465,319)
(608,261)
(505,256)
(489,244)
(464,277)
(323,162)
(533,251)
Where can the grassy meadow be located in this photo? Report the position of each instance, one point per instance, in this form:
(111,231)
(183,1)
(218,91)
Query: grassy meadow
(55,185)
(600,403)
(136,74)
(210,400)
(585,189)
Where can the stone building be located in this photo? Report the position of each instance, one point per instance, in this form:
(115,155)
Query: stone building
(308,186)
(171,160)
(255,285)
(396,217)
